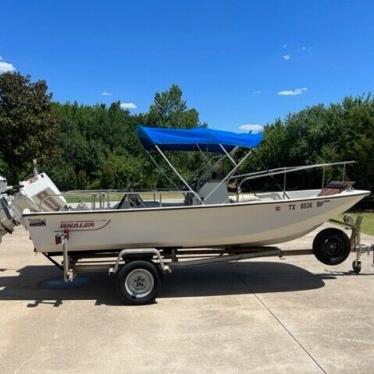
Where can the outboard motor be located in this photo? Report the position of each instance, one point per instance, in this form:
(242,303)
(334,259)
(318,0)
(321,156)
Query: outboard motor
(36,194)
(3,185)
(8,218)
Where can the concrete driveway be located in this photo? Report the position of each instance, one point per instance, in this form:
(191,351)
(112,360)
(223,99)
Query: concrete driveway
(294,315)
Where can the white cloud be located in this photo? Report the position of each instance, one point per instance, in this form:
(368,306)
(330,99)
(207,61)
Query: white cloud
(106,93)
(286,57)
(306,48)
(127,106)
(294,92)
(1,58)
(6,67)
(251,127)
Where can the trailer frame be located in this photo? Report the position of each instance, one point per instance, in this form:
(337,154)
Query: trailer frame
(168,259)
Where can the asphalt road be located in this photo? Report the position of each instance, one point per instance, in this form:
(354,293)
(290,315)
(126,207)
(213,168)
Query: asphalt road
(294,315)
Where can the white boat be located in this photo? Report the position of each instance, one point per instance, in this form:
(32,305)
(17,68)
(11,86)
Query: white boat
(266,220)
(148,233)
(207,217)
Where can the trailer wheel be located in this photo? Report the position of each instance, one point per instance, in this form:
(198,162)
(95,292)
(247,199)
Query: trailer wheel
(138,282)
(356,266)
(331,246)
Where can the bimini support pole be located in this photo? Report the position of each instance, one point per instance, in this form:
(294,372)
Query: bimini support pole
(229,175)
(160,170)
(177,173)
(207,172)
(228,155)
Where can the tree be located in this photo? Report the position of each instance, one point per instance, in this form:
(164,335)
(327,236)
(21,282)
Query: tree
(28,128)
(99,146)
(170,110)
(317,134)
(108,179)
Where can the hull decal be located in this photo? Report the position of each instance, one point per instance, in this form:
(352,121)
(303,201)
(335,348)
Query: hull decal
(86,225)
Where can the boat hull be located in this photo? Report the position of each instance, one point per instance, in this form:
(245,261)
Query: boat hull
(239,224)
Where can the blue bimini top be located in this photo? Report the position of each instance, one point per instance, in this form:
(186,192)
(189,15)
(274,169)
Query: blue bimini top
(195,139)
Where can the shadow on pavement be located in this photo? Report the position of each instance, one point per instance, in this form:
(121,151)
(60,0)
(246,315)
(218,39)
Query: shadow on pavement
(39,284)
(239,278)
(336,274)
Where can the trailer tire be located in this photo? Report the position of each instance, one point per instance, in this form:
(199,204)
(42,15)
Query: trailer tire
(331,246)
(356,266)
(138,282)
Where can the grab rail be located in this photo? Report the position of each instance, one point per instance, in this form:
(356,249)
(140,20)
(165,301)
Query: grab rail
(288,169)
(105,198)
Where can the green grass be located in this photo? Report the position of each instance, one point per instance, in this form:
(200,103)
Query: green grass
(86,198)
(367,225)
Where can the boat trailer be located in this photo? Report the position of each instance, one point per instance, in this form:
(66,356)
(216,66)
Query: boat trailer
(139,271)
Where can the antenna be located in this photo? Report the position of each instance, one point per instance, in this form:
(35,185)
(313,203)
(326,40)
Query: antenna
(35,170)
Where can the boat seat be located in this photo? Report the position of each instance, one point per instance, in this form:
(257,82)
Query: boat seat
(188,198)
(335,187)
(212,192)
(130,201)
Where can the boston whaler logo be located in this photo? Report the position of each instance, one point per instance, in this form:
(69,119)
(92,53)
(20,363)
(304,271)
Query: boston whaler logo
(89,225)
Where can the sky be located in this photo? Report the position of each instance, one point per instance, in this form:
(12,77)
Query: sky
(241,64)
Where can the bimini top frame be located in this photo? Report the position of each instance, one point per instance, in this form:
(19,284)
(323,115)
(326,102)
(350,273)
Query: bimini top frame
(197,140)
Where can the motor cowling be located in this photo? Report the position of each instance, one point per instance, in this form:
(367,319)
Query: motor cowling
(37,194)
